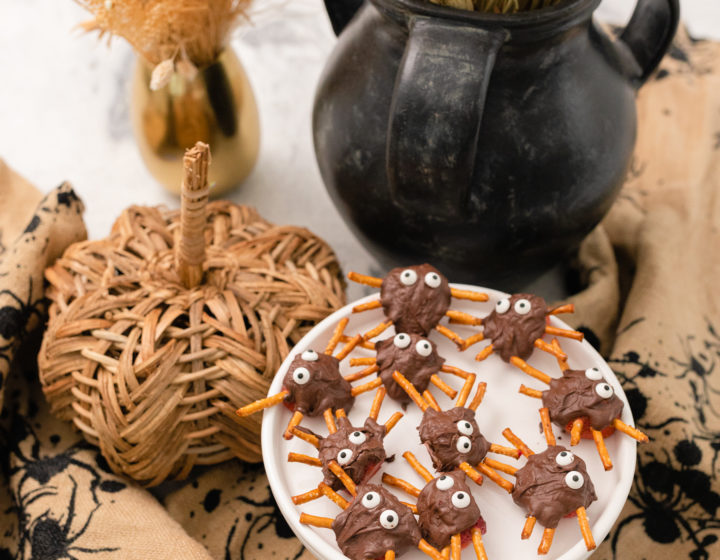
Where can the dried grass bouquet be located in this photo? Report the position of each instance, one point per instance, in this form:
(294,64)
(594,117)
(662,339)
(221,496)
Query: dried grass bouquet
(172,35)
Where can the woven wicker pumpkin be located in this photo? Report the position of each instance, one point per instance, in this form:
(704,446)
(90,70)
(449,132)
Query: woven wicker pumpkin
(158,333)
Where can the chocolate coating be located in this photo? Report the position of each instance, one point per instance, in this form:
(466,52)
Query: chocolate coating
(439,432)
(364,455)
(573,396)
(513,334)
(439,519)
(417,308)
(541,489)
(360,534)
(416,368)
(325,389)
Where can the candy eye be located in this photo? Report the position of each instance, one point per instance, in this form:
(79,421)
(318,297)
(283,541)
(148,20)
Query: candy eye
(460,500)
(574,480)
(465,427)
(564,458)
(357,438)
(310,356)
(371,500)
(344,456)
(502,306)
(401,340)
(408,277)
(445,482)
(424,348)
(432,279)
(604,390)
(593,374)
(463,444)
(389,519)
(301,375)
(522,307)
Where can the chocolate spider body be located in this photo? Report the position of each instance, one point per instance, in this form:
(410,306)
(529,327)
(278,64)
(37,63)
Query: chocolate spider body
(373,523)
(446,507)
(357,450)
(415,298)
(413,355)
(553,484)
(452,437)
(582,394)
(515,324)
(315,384)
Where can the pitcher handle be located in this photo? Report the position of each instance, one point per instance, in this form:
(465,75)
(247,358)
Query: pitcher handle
(436,112)
(650,33)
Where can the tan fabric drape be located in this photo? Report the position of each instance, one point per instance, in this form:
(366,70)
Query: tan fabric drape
(649,273)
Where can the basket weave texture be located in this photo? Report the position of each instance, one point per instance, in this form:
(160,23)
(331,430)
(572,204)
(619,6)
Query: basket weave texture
(151,371)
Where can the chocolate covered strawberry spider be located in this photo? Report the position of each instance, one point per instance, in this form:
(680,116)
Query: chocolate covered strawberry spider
(552,485)
(581,400)
(453,438)
(516,327)
(373,525)
(313,384)
(449,517)
(358,450)
(416,357)
(415,299)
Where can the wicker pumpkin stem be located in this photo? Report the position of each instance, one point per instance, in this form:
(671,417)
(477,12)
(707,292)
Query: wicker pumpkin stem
(190,254)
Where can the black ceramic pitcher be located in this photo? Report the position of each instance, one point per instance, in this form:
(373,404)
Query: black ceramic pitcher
(489,145)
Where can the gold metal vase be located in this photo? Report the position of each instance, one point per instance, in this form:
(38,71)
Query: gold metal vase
(217,107)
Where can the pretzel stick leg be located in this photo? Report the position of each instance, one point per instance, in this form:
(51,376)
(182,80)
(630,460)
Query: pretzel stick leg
(374,384)
(363,343)
(428,396)
(546,541)
(310,438)
(337,335)
(565,308)
(576,431)
(412,507)
(507,451)
(338,471)
(531,371)
(555,331)
(330,420)
(473,339)
(455,547)
(257,406)
(500,466)
(377,402)
(392,421)
(444,387)
(410,389)
(547,426)
(469,295)
(478,544)
(371,281)
(585,528)
(349,347)
(313,494)
(629,430)
(429,549)
(417,466)
(377,331)
(561,362)
(362,362)
(340,413)
(455,371)
(460,318)
(495,477)
(306,459)
(316,521)
(517,442)
(527,391)
(545,347)
(374,304)
(334,496)
(390,555)
(294,421)
(602,450)
(484,353)
(528,528)
(452,335)
(362,374)
(400,484)
(479,395)
(465,391)
(471,473)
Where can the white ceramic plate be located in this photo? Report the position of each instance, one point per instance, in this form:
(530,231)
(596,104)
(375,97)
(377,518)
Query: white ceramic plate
(502,407)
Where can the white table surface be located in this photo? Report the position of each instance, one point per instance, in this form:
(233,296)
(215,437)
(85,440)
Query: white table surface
(64,111)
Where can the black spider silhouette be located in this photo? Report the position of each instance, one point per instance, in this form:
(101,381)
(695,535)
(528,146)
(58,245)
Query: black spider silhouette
(13,319)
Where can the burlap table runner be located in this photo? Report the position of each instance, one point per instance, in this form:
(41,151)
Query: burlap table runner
(646,282)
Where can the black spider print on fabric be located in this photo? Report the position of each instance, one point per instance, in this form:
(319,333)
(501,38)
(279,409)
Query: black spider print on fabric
(14,319)
(664,494)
